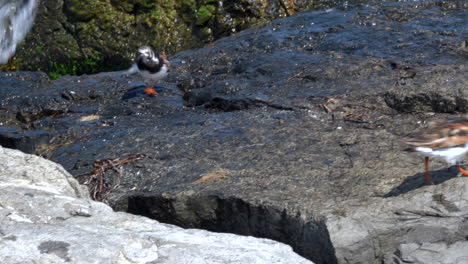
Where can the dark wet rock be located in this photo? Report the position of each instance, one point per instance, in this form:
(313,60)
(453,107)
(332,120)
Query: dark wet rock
(28,141)
(290,131)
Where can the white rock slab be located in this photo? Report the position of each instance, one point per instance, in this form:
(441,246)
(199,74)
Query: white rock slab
(47,217)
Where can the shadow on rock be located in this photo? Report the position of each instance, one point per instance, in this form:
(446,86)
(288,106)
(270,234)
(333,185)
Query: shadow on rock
(138,91)
(416,181)
(309,239)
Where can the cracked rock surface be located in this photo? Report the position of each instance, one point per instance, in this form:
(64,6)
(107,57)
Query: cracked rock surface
(291,131)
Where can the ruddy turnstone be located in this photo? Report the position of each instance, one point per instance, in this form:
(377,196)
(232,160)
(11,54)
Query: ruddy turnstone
(152,66)
(446,139)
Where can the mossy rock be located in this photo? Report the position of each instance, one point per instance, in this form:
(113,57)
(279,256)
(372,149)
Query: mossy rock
(204,14)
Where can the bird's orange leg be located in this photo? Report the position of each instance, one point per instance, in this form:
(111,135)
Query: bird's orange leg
(463,171)
(427,176)
(150,89)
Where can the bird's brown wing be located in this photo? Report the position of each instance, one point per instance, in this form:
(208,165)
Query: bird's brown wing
(163,56)
(442,134)
(168,63)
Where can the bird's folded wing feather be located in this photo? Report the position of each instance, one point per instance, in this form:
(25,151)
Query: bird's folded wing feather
(442,134)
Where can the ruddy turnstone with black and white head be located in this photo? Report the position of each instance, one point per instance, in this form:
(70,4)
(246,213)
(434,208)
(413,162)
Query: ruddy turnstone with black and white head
(152,66)
(446,139)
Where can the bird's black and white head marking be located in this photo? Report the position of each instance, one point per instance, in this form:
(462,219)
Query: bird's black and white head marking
(148,60)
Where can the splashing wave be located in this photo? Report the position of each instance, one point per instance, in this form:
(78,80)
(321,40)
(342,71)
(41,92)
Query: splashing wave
(16,19)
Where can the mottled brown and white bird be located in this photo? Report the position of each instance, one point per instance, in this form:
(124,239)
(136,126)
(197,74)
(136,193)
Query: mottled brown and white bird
(152,66)
(446,139)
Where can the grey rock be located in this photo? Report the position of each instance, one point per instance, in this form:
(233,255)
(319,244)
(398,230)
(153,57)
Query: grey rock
(442,253)
(425,226)
(45,217)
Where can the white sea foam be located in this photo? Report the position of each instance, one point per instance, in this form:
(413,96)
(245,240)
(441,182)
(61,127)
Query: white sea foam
(16,19)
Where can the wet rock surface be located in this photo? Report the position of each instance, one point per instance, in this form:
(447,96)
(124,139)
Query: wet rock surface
(281,131)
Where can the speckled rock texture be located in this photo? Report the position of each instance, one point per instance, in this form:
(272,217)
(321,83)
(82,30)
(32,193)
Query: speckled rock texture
(47,217)
(290,131)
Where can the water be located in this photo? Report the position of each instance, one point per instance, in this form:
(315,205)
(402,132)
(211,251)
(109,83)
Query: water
(16,19)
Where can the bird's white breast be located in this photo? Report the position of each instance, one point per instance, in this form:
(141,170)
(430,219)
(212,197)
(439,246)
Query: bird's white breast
(161,74)
(452,155)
